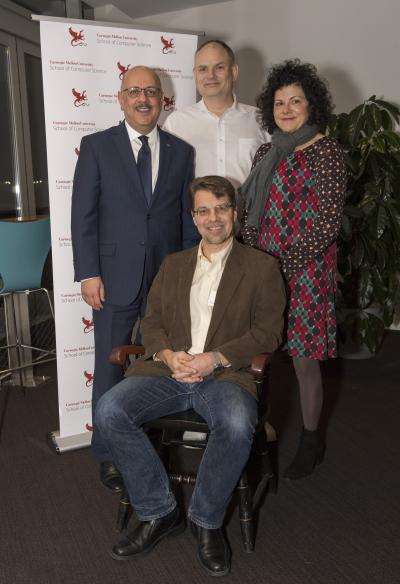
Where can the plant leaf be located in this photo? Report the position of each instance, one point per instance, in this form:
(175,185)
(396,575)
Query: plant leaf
(369,125)
(378,142)
(394,219)
(353,211)
(382,221)
(387,120)
(354,123)
(392,138)
(377,116)
(374,331)
(358,254)
(392,109)
(379,289)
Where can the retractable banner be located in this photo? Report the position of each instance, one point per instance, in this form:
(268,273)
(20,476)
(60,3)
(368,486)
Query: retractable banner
(83,64)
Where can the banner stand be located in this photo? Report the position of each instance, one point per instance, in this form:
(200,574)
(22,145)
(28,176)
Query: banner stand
(106,23)
(83,65)
(67,443)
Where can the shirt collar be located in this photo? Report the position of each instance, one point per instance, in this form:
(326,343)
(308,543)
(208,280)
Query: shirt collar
(133,134)
(202,106)
(219,256)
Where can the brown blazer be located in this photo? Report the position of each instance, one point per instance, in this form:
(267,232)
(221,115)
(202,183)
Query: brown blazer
(247,318)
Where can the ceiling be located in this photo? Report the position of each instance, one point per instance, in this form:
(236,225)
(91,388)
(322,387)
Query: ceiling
(138,8)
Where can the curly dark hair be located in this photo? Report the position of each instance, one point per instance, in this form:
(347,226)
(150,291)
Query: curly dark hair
(293,71)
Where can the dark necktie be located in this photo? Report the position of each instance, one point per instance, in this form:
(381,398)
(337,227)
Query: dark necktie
(144,167)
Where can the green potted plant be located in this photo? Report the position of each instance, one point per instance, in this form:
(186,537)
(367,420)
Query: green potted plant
(369,240)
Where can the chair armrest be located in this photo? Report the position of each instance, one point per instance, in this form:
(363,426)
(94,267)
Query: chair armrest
(259,365)
(119,355)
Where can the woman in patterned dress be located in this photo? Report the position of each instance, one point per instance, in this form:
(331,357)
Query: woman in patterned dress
(293,202)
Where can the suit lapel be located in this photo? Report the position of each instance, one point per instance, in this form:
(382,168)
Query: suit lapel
(127,158)
(231,277)
(183,290)
(164,164)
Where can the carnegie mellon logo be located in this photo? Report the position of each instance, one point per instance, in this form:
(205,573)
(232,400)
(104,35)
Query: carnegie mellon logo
(168,45)
(80,97)
(89,377)
(78,38)
(88,325)
(169,103)
(122,70)
(77,152)
(89,427)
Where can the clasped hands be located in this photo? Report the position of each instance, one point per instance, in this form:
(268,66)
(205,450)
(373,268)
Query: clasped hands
(189,368)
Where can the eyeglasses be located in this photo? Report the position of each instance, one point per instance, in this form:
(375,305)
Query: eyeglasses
(134,92)
(219,210)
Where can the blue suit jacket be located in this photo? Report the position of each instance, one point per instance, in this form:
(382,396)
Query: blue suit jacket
(113,227)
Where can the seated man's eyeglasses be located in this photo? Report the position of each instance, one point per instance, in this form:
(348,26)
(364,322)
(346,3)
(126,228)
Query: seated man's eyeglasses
(218,209)
(136,91)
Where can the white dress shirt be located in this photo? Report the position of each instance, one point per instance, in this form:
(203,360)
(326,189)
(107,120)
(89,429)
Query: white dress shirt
(203,292)
(225,145)
(154,145)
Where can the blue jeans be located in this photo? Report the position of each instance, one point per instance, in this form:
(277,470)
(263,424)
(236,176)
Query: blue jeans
(231,414)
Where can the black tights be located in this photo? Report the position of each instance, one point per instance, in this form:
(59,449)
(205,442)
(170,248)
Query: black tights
(308,375)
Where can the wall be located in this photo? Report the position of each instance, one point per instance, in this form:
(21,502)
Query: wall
(354,43)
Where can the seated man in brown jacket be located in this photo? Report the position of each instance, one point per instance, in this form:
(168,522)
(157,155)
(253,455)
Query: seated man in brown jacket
(210,310)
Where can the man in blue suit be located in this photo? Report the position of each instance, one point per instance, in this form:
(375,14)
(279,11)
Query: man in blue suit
(130,208)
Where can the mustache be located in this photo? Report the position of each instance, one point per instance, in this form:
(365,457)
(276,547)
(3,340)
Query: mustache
(143,103)
(214,224)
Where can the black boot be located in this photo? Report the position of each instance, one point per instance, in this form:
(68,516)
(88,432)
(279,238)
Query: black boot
(310,452)
(147,535)
(213,551)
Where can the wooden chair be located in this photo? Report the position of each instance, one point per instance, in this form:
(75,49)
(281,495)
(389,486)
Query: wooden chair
(172,427)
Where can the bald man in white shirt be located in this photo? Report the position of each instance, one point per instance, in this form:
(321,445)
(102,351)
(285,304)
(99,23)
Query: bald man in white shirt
(224,133)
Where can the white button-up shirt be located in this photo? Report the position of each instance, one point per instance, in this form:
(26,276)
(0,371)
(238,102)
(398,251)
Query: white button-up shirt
(154,145)
(203,292)
(225,145)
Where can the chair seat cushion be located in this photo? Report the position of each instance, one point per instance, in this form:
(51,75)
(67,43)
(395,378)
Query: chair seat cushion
(188,420)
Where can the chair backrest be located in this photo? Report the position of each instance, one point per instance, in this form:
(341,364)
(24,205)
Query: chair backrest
(24,246)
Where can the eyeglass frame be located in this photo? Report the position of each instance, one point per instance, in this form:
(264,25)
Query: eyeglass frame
(141,90)
(219,210)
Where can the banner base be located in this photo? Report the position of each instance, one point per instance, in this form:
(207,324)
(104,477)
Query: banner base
(67,443)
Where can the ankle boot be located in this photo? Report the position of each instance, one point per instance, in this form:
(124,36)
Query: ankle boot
(310,452)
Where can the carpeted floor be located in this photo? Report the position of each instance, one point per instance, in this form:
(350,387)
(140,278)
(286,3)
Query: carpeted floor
(339,526)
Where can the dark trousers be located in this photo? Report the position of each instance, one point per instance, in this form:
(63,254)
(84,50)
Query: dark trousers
(113,326)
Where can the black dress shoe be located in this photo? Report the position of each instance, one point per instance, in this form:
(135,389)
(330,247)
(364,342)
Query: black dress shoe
(111,477)
(213,551)
(147,535)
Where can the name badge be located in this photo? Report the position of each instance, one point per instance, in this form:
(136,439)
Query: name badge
(211,298)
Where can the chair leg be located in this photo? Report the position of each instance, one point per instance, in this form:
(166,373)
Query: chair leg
(273,484)
(18,353)
(265,452)
(45,355)
(124,512)
(246,513)
(49,300)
